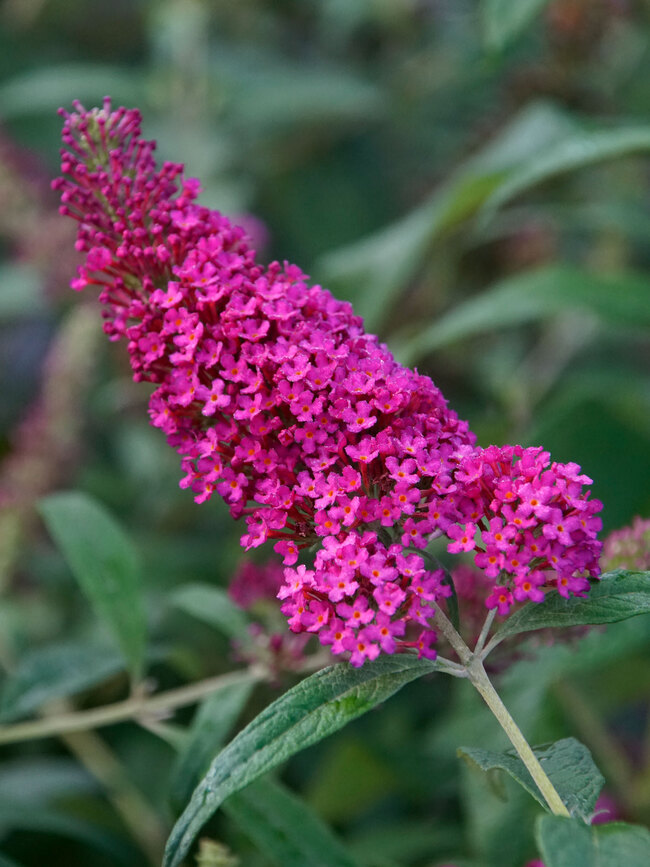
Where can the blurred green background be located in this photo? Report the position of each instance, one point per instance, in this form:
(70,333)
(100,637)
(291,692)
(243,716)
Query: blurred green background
(474,177)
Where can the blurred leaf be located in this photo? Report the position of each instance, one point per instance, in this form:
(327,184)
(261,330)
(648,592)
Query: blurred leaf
(46,88)
(349,780)
(8,862)
(21,290)
(212,722)
(318,706)
(213,606)
(14,817)
(617,596)
(570,843)
(505,19)
(567,762)
(266,92)
(103,560)
(36,780)
(372,271)
(56,671)
(579,150)
(283,827)
(619,298)
(497,822)
(395,843)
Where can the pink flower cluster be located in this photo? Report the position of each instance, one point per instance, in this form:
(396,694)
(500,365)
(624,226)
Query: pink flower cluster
(529,523)
(278,401)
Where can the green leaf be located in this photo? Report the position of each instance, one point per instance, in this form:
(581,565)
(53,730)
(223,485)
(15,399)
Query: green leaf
(56,671)
(214,719)
(48,820)
(372,271)
(568,764)
(104,562)
(283,827)
(46,88)
(617,596)
(213,606)
(318,706)
(570,843)
(7,862)
(575,152)
(619,298)
(503,20)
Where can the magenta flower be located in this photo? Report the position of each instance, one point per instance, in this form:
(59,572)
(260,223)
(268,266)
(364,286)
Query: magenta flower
(277,400)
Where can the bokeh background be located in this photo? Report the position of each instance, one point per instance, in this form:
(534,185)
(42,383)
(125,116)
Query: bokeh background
(473,176)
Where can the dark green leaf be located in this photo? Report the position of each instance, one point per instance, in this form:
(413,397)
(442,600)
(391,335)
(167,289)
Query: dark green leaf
(526,297)
(318,706)
(283,827)
(617,596)
(505,19)
(576,151)
(44,820)
(214,719)
(104,562)
(7,862)
(56,671)
(212,605)
(567,763)
(570,843)
(370,272)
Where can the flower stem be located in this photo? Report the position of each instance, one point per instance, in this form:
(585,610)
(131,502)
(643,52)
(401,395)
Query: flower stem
(135,707)
(478,677)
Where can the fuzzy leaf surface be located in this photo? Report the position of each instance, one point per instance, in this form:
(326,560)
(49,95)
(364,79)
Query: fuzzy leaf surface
(316,707)
(568,764)
(569,843)
(617,596)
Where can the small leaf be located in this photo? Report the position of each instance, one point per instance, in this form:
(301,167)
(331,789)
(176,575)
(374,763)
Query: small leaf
(56,671)
(214,719)
(503,20)
(537,294)
(283,827)
(570,843)
(575,152)
(567,763)
(316,707)
(102,559)
(617,596)
(213,606)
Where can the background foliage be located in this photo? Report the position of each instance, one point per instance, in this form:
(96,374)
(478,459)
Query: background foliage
(474,178)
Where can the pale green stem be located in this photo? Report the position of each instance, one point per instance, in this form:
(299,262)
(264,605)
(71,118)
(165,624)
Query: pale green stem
(132,708)
(480,644)
(479,679)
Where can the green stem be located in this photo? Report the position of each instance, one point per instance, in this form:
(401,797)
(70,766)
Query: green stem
(132,708)
(480,644)
(490,696)
(478,677)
